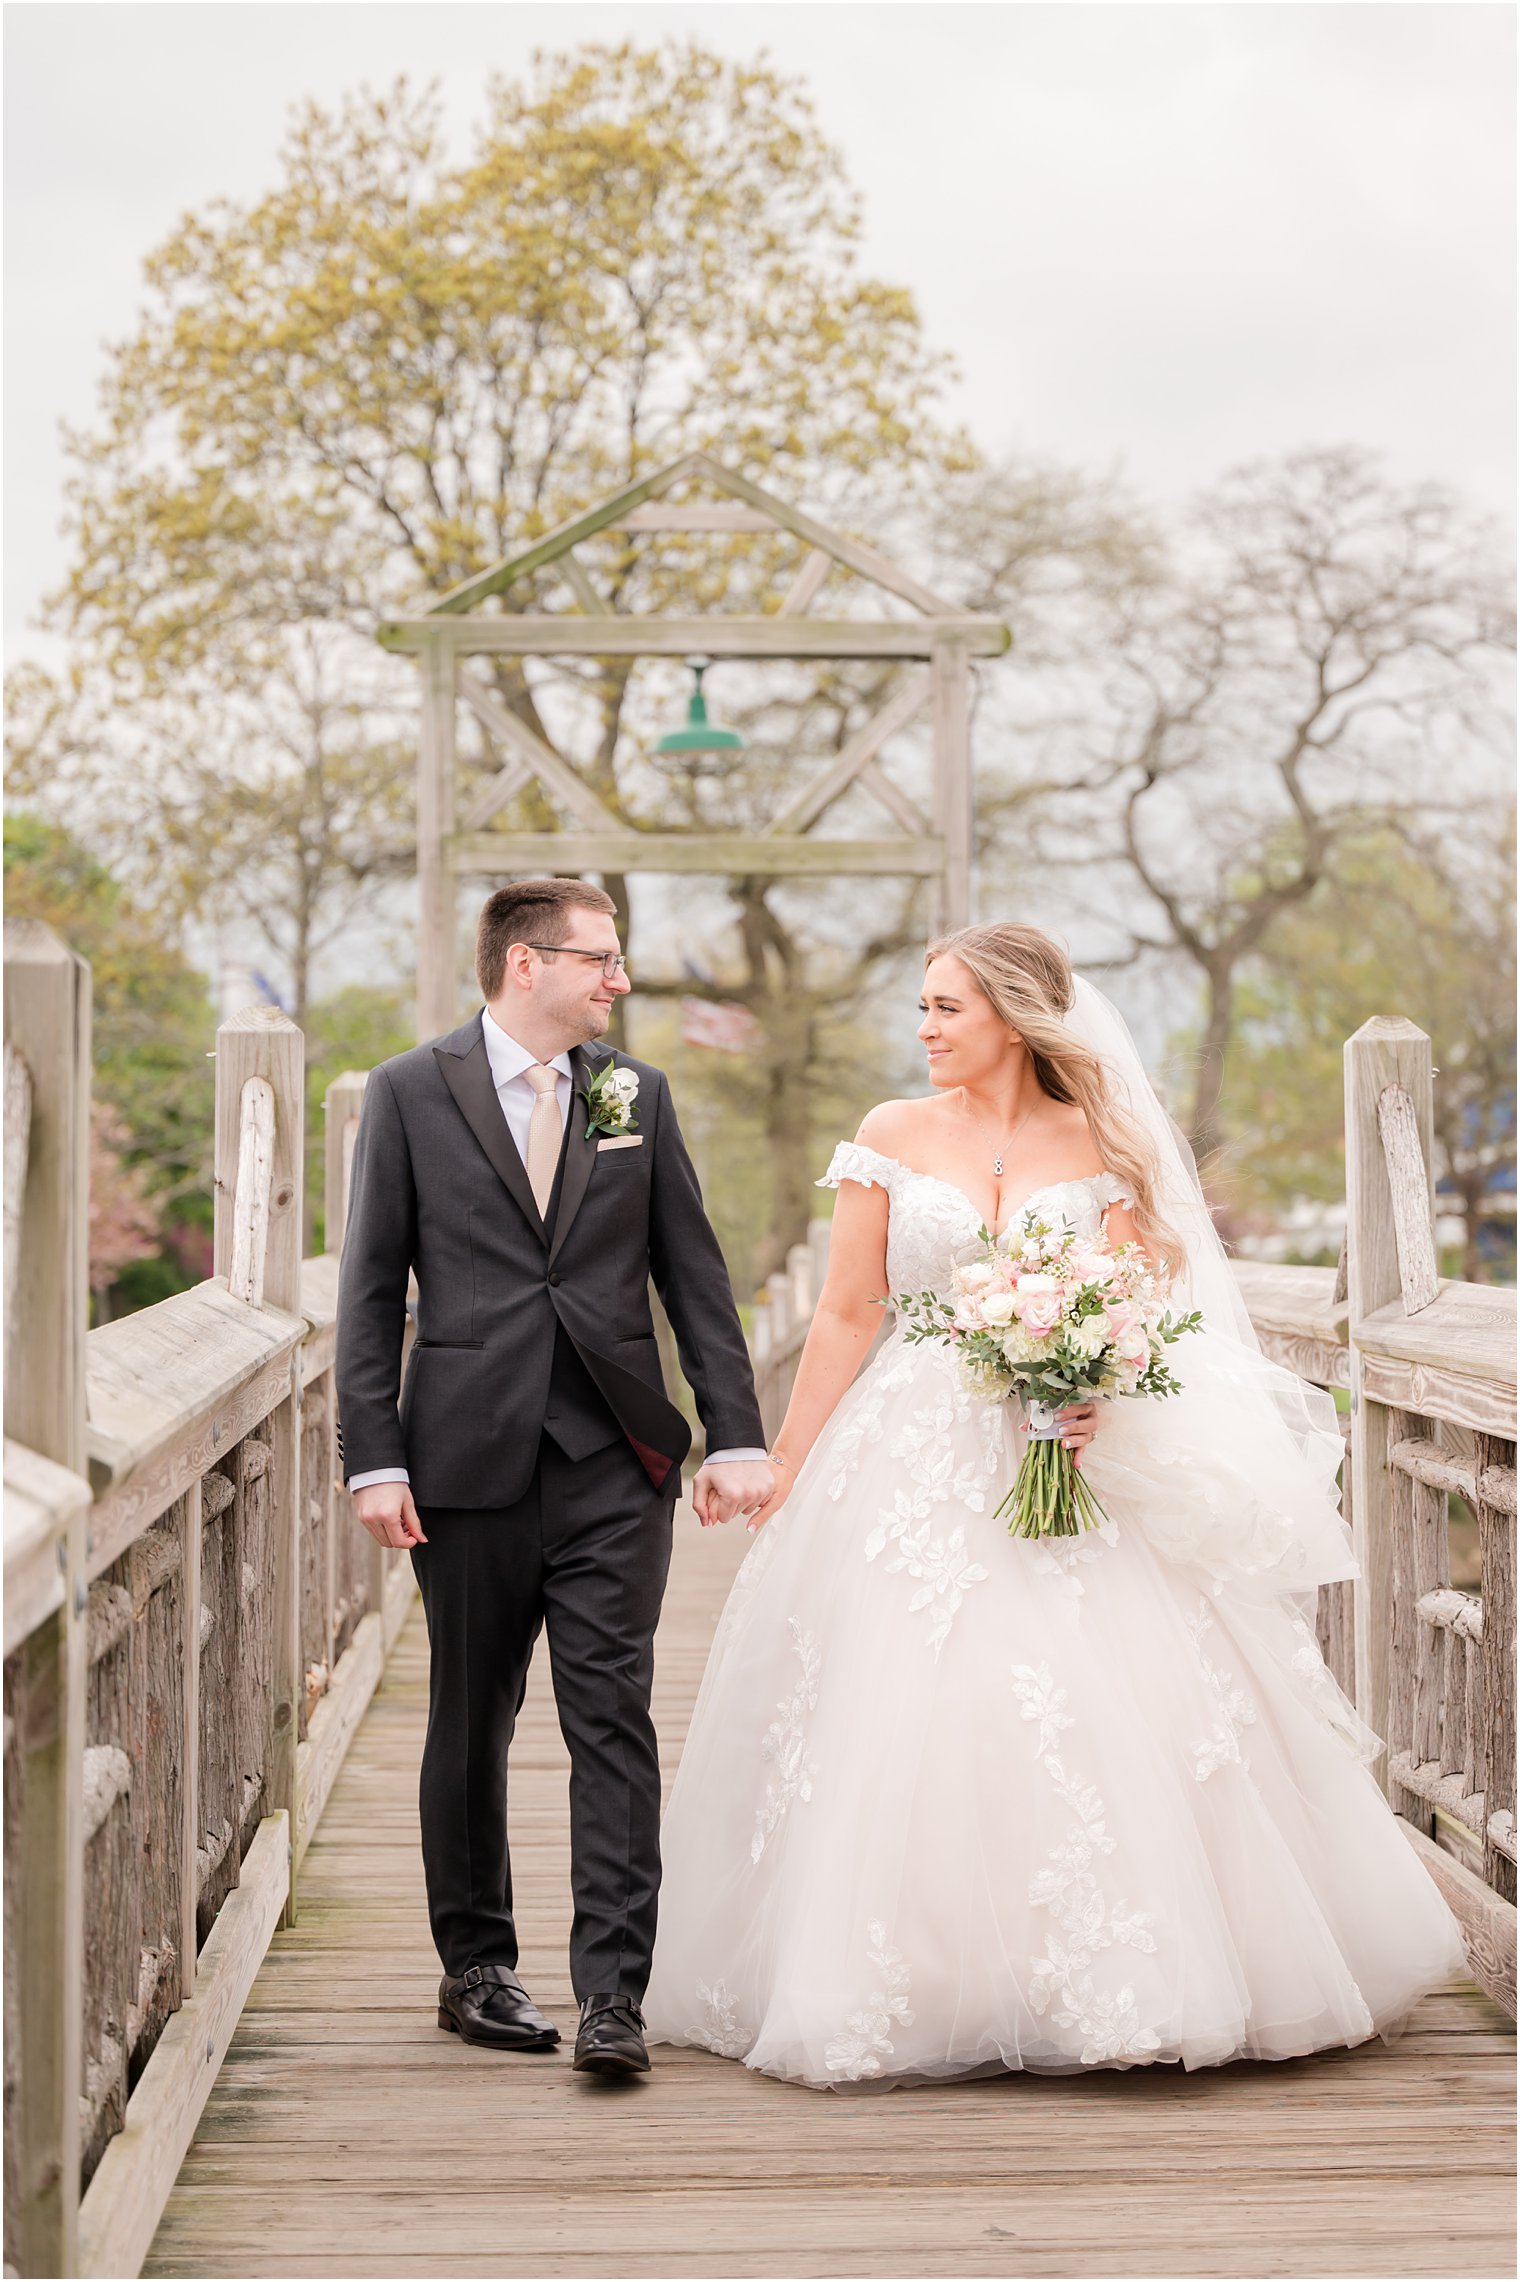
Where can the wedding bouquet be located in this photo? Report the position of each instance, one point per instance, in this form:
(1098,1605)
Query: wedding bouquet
(1053,1319)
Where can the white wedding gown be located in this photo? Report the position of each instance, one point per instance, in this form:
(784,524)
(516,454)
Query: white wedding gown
(953,1802)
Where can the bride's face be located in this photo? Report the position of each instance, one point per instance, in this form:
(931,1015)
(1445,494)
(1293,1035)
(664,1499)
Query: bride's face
(965,1038)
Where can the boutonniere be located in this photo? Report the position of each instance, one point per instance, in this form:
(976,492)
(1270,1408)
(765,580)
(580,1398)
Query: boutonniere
(609,1097)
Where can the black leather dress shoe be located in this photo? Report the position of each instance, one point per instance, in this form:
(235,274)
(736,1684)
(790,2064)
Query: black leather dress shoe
(487,2004)
(611,2038)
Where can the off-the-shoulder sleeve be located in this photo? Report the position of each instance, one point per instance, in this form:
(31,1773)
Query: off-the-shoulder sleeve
(1109,1190)
(853,1161)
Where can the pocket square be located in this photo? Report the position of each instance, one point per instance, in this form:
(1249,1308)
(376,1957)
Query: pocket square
(621,1141)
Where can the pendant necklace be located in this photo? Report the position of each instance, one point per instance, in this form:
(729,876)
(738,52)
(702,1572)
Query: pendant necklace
(997,1160)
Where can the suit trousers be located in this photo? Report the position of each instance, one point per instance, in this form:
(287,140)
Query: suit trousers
(584,1554)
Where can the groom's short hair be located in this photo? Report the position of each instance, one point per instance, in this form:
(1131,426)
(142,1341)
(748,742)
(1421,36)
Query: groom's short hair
(529,911)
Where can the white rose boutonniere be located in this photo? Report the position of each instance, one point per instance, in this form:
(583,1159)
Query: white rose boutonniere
(610,1097)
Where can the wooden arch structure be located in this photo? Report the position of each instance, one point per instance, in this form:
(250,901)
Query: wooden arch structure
(935,645)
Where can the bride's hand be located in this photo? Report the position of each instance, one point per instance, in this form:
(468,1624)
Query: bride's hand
(784,1477)
(1078,1424)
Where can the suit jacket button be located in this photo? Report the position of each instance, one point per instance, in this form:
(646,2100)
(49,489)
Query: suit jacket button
(554,1279)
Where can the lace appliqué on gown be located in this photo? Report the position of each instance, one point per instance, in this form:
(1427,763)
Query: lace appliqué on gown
(1234,1711)
(1086,1923)
(937,1560)
(785,1743)
(865,2041)
(1060,1559)
(1049,1886)
(719,2029)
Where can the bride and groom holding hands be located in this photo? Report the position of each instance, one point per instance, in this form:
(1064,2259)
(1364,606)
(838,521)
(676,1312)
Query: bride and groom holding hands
(950,1802)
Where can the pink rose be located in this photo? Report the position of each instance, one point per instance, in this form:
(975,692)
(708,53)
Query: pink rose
(1039,1312)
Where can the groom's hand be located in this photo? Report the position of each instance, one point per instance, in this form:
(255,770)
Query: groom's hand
(737,1486)
(387,1512)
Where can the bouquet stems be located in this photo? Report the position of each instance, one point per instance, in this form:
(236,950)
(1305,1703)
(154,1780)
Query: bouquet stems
(1049,1498)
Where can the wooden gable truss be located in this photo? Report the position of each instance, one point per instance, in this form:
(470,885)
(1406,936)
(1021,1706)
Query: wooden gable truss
(936,645)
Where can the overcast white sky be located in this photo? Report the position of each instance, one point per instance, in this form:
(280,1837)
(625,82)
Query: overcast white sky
(1159,237)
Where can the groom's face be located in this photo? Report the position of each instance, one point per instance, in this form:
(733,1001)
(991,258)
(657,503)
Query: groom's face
(573,993)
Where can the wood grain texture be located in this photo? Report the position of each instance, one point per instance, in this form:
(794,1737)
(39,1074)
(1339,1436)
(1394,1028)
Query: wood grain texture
(47,1029)
(1496,1537)
(118,2215)
(261,1044)
(952,783)
(807,585)
(713,854)
(716,515)
(1487,1920)
(809,804)
(1387,1051)
(347,2136)
(42,1502)
(534,636)
(172,1390)
(342,1103)
(437,914)
(559,781)
(1409,1188)
(18,1135)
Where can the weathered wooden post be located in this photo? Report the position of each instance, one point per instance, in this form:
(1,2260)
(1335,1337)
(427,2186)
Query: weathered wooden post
(1493,1469)
(437,917)
(344,1100)
(260,1112)
(1386,1053)
(47,1050)
(952,782)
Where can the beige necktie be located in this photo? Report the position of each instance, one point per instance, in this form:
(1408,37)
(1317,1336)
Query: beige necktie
(545,1133)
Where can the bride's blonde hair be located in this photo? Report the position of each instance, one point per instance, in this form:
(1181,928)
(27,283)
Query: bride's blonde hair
(1026,977)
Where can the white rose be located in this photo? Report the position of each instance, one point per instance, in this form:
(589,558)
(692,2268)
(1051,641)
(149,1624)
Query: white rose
(997,1307)
(1037,1283)
(621,1085)
(1090,1336)
(976,1277)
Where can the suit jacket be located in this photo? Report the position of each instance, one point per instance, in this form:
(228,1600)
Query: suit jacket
(437,1186)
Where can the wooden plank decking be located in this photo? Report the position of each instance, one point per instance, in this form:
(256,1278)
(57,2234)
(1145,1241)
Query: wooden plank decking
(348,2136)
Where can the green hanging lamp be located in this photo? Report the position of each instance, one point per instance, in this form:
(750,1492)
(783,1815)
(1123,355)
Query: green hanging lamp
(698,734)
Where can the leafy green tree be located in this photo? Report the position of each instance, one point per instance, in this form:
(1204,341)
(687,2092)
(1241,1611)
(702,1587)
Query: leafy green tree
(1404,929)
(399,365)
(352,1030)
(154,1029)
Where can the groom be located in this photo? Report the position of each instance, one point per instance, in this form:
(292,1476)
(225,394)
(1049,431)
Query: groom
(534,1462)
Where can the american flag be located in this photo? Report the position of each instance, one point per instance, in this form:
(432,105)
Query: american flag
(719,1023)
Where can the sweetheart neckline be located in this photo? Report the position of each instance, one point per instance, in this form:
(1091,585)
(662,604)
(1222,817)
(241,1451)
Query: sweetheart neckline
(1046,1188)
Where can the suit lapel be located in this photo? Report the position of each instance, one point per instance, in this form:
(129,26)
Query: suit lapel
(580,1151)
(466,1071)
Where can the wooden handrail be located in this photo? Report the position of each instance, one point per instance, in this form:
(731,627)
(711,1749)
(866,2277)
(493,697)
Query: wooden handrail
(206,1565)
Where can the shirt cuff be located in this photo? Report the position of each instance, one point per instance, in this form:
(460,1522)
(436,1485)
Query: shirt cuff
(728,1457)
(382,1474)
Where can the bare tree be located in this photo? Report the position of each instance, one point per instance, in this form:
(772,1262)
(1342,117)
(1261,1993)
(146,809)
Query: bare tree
(1320,651)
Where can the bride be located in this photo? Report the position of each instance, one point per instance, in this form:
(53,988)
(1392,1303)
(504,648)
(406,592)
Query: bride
(954,1802)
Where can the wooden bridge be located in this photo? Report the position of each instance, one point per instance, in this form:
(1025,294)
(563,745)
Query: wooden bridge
(220,2056)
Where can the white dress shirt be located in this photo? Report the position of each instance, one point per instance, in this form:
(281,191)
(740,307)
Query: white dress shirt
(508,1061)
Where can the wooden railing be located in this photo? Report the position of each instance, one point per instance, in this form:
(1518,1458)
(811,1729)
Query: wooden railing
(1429,1367)
(193,1623)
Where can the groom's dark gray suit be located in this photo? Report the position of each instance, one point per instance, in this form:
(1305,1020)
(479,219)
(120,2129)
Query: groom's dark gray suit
(544,1458)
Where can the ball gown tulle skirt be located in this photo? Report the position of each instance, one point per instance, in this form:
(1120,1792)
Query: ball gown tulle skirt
(953,1802)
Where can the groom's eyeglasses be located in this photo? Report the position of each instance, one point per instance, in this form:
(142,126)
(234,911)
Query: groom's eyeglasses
(613,962)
